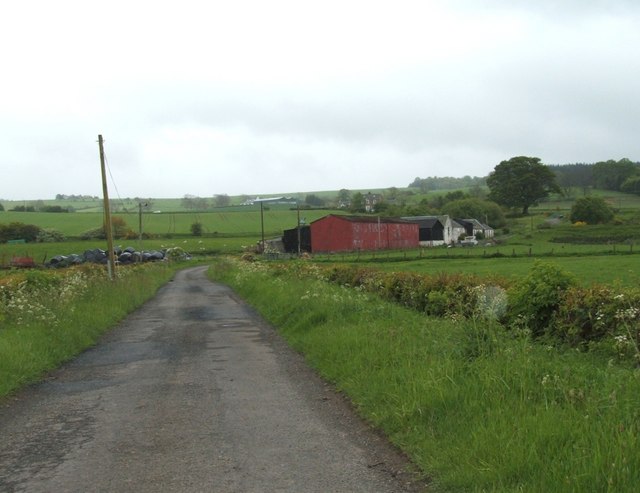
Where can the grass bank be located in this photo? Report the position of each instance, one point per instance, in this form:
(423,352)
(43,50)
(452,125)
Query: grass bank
(477,407)
(48,317)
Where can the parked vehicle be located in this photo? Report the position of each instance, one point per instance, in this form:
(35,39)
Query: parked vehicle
(469,241)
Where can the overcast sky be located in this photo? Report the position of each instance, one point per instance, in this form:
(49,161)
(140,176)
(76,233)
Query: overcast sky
(258,97)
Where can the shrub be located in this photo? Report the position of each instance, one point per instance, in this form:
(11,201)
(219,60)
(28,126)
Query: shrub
(49,235)
(591,210)
(196,229)
(119,227)
(596,313)
(535,300)
(18,231)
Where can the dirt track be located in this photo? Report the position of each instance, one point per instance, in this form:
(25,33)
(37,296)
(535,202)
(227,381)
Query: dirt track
(192,392)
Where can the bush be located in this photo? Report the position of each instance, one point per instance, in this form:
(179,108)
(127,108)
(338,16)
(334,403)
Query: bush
(534,301)
(18,231)
(119,227)
(591,210)
(599,313)
(196,229)
(49,235)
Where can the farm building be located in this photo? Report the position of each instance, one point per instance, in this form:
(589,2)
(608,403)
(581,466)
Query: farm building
(290,239)
(437,230)
(431,230)
(442,230)
(473,227)
(334,233)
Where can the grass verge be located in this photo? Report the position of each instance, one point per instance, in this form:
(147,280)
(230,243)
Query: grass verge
(476,407)
(46,318)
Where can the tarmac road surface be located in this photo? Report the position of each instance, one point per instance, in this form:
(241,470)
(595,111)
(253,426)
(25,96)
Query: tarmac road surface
(192,392)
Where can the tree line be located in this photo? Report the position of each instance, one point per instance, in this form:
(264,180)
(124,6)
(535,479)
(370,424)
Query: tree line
(619,176)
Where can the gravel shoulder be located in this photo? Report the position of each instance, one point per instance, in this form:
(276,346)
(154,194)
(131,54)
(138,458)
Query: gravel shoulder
(192,392)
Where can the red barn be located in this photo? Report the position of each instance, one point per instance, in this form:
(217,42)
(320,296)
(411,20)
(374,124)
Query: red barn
(335,233)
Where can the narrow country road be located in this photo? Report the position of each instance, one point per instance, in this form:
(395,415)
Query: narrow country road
(194,393)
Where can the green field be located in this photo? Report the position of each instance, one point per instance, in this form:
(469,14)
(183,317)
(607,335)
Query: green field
(604,269)
(587,251)
(227,221)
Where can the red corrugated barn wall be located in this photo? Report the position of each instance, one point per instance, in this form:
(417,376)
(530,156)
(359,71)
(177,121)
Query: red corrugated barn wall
(352,233)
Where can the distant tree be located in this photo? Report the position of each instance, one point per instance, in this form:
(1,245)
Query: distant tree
(196,229)
(477,192)
(422,208)
(221,200)
(344,195)
(591,210)
(610,175)
(53,208)
(631,185)
(391,193)
(1,207)
(189,201)
(482,210)
(577,175)
(521,182)
(120,227)
(357,202)
(24,208)
(445,183)
(201,203)
(313,200)
(440,200)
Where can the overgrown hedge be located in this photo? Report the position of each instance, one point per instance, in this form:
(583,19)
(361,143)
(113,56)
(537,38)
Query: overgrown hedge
(548,302)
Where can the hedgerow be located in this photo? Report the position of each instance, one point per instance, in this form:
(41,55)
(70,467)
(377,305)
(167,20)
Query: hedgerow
(548,303)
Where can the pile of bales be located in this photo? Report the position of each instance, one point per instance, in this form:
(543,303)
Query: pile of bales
(124,256)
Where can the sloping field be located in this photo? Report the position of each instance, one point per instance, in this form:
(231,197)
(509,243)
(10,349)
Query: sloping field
(223,222)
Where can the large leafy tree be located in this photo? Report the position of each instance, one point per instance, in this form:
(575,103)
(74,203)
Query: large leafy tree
(521,182)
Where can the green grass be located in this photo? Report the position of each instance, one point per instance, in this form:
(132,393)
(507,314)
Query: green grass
(603,269)
(30,346)
(476,407)
(246,221)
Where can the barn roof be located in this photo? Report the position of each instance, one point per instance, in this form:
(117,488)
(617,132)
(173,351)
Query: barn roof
(367,219)
(424,221)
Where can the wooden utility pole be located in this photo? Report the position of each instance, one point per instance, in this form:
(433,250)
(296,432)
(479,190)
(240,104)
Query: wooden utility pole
(262,224)
(107,213)
(298,204)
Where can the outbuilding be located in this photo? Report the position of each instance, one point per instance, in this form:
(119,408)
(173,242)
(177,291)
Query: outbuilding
(337,233)
(474,227)
(291,237)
